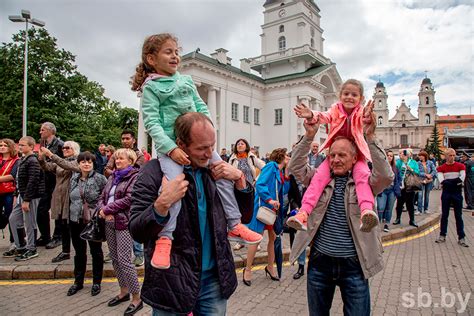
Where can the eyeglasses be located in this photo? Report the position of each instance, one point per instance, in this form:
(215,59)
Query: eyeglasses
(66,147)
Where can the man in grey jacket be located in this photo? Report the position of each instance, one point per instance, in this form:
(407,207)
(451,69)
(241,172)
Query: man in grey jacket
(340,254)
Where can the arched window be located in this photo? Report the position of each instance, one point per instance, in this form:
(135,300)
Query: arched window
(282,28)
(380,103)
(427,100)
(380,120)
(312,43)
(281,43)
(403,117)
(427,119)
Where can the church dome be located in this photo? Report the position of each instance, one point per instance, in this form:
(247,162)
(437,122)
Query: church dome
(426,81)
(380,85)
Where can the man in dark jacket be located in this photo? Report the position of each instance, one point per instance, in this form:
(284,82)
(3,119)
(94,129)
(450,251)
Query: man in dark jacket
(55,145)
(201,276)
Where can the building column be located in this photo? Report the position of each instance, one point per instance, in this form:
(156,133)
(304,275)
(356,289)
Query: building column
(212,104)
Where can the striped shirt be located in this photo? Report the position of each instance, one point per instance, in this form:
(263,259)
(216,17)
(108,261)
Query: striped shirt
(334,237)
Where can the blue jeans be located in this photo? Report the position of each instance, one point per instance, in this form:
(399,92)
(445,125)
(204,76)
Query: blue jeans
(424,197)
(325,273)
(209,301)
(448,198)
(302,258)
(385,203)
(137,249)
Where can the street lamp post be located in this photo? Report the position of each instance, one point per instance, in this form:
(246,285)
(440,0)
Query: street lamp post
(25,17)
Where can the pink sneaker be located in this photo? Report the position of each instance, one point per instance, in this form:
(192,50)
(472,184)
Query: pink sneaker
(299,221)
(243,234)
(161,255)
(369,220)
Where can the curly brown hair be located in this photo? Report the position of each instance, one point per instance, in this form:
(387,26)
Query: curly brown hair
(278,155)
(11,146)
(151,45)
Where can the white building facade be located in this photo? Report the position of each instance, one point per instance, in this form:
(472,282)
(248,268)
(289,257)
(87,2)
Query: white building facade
(292,69)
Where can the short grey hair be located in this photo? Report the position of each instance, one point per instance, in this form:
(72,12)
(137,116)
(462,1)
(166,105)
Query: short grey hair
(75,147)
(50,126)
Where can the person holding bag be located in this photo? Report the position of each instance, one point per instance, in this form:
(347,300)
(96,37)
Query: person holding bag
(408,168)
(8,168)
(85,190)
(270,187)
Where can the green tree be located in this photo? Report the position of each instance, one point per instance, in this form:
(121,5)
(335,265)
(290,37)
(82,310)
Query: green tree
(434,144)
(58,93)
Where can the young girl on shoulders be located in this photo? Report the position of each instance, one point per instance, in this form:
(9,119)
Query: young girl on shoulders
(345,118)
(165,95)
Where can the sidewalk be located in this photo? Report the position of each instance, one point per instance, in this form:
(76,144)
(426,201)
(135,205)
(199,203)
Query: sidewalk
(42,268)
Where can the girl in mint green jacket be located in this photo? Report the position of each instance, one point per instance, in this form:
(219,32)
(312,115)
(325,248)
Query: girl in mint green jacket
(166,94)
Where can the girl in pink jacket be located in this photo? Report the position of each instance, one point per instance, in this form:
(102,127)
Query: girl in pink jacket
(346,118)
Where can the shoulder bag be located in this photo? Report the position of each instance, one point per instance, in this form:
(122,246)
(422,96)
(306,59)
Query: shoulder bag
(411,181)
(95,229)
(265,214)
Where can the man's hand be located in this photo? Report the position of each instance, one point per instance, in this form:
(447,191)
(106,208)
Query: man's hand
(171,192)
(25,206)
(369,121)
(302,111)
(180,157)
(311,130)
(223,170)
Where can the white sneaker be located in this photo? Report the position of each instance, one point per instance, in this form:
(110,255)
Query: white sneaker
(238,246)
(417,213)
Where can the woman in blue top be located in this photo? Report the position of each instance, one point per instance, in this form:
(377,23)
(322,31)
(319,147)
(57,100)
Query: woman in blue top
(406,165)
(386,199)
(272,184)
(427,174)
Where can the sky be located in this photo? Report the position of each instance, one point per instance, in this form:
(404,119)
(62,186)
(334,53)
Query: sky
(396,41)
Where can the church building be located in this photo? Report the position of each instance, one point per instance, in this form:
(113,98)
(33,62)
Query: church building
(404,130)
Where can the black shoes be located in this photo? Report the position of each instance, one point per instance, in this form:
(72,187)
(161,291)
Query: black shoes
(54,243)
(385,228)
(117,300)
(95,289)
(61,257)
(41,242)
(413,224)
(74,289)
(29,254)
(246,282)
(299,273)
(267,273)
(132,309)
(396,222)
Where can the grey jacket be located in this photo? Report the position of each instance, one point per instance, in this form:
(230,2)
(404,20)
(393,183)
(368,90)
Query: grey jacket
(368,245)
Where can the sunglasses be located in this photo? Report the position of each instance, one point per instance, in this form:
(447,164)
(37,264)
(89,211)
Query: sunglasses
(66,147)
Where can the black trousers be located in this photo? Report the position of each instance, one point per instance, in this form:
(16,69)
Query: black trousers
(42,216)
(65,235)
(80,259)
(407,198)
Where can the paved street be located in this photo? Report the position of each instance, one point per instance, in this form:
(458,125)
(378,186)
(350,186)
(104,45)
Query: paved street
(420,278)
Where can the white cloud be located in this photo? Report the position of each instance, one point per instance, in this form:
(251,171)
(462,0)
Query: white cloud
(397,40)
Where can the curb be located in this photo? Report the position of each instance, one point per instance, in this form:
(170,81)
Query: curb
(66,271)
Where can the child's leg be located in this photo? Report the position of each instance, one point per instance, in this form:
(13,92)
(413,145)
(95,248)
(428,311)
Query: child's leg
(319,181)
(365,197)
(16,221)
(311,197)
(237,231)
(171,170)
(161,254)
(30,224)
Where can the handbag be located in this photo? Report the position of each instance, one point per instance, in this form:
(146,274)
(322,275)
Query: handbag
(411,181)
(7,187)
(265,214)
(95,229)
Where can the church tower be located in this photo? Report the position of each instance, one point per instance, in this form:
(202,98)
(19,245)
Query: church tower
(380,105)
(426,103)
(291,39)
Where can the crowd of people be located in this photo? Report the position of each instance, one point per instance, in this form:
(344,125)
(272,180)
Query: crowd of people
(176,214)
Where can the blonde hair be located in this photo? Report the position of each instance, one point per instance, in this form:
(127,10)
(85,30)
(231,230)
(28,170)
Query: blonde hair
(74,146)
(29,140)
(126,152)
(151,45)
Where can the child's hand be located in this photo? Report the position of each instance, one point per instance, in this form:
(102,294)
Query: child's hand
(179,156)
(367,114)
(302,111)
